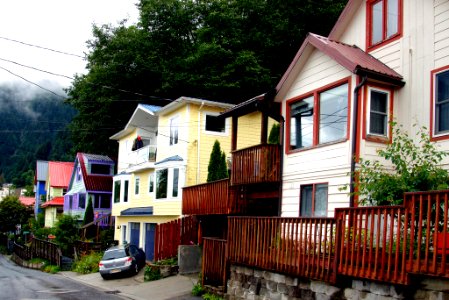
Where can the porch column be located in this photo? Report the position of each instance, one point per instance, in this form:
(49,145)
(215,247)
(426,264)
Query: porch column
(264,129)
(234,133)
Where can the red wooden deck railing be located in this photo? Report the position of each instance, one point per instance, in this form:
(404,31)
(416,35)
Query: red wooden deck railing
(207,199)
(170,235)
(257,164)
(386,243)
(371,242)
(214,266)
(296,246)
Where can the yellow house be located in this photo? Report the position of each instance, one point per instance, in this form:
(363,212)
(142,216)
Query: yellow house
(58,179)
(161,150)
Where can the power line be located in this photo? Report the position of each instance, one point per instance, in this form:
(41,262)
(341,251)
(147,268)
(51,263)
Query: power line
(31,82)
(40,47)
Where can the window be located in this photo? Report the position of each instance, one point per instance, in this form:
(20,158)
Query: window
(125,191)
(379,102)
(319,118)
(117,191)
(78,173)
(215,124)
(70,202)
(161,183)
(136,185)
(175,182)
(441,102)
(174,124)
(100,169)
(313,201)
(151,183)
(82,201)
(384,20)
(102,201)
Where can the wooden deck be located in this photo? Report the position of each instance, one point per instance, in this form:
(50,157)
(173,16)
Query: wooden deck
(386,243)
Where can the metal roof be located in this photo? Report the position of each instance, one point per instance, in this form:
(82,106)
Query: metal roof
(171,158)
(59,173)
(56,201)
(95,182)
(27,201)
(41,170)
(138,211)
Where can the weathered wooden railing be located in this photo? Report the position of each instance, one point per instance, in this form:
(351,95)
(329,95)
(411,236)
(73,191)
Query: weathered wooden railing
(170,235)
(214,266)
(39,248)
(382,243)
(371,242)
(257,164)
(296,246)
(207,199)
(46,250)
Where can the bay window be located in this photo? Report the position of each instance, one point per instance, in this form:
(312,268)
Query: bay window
(319,118)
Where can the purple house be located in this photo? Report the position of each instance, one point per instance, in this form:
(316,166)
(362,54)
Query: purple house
(91,179)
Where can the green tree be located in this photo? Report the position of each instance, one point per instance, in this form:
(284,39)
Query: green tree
(414,167)
(273,137)
(217,168)
(89,212)
(12,213)
(66,232)
(214,49)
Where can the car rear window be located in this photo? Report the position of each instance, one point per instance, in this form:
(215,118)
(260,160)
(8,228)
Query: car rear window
(113,254)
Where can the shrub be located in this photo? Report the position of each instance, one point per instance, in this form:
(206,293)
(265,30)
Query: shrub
(198,290)
(173,261)
(151,273)
(210,296)
(414,167)
(52,269)
(88,263)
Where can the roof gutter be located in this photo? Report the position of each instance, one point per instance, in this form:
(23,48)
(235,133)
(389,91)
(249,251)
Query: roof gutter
(354,139)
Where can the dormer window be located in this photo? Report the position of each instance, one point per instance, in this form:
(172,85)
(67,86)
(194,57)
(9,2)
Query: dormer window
(100,169)
(384,21)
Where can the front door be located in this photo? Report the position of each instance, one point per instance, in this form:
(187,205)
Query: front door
(134,233)
(150,229)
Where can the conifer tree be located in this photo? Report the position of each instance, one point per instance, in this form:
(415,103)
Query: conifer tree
(89,213)
(217,168)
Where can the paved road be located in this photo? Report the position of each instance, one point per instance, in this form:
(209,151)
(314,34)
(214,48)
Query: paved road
(17,283)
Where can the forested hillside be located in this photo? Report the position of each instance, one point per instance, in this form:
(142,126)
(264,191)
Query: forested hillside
(32,126)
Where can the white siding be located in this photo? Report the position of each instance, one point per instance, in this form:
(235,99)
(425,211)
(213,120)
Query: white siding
(441,11)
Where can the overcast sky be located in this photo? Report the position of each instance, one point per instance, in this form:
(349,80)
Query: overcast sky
(63,25)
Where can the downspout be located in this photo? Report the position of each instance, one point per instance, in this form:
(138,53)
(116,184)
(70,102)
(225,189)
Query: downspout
(354,139)
(281,159)
(198,144)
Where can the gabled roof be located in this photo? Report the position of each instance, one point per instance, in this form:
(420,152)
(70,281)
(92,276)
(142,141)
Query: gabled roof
(59,173)
(56,201)
(101,183)
(169,159)
(186,100)
(141,118)
(345,17)
(27,201)
(352,58)
(41,170)
(262,103)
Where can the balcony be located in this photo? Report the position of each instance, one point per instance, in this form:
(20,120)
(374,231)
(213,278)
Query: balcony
(208,198)
(257,164)
(143,155)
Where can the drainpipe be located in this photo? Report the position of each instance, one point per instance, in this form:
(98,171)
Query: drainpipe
(354,139)
(281,158)
(198,144)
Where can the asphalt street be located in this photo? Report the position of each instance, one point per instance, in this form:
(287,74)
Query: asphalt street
(17,283)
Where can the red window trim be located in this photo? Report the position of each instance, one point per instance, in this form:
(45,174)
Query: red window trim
(369,16)
(315,93)
(376,138)
(313,197)
(433,136)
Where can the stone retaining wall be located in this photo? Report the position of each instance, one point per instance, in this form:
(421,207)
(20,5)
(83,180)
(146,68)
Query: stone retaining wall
(247,283)
(26,264)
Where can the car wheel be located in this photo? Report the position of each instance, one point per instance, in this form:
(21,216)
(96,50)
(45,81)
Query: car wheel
(136,268)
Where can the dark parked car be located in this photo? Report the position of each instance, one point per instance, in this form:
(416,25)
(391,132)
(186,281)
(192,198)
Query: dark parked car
(122,259)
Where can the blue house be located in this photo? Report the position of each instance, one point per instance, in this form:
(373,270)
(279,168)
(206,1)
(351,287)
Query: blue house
(40,179)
